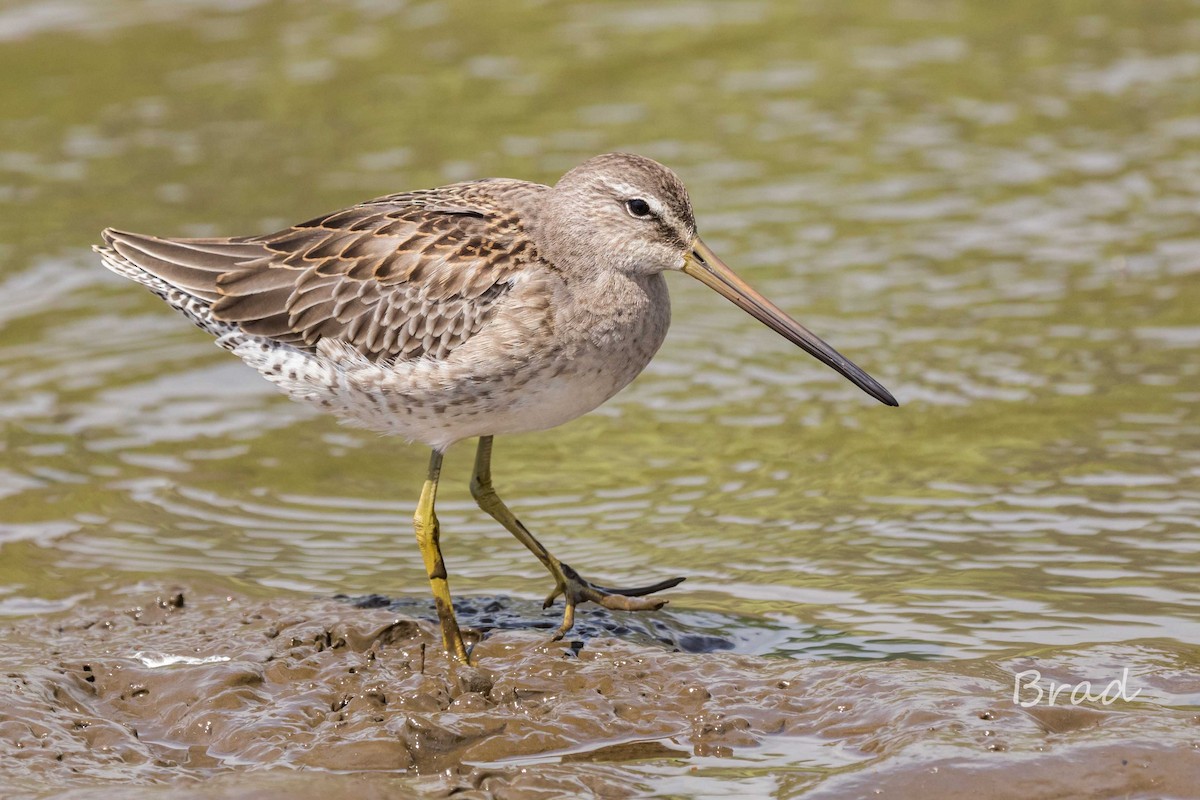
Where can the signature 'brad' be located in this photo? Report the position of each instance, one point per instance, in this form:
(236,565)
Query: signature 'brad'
(475,309)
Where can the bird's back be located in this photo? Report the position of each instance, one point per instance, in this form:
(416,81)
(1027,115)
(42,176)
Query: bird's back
(400,277)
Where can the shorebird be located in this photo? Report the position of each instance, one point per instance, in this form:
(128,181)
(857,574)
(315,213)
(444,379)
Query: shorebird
(471,310)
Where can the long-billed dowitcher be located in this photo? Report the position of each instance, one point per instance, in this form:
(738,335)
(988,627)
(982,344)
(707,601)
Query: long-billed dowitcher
(475,309)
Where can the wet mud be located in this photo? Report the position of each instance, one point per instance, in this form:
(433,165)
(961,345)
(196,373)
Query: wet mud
(184,692)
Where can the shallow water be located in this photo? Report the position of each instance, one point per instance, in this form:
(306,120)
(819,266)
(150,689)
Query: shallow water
(992,211)
(175,693)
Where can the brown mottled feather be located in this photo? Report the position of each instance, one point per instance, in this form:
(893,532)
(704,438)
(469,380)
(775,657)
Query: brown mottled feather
(399,277)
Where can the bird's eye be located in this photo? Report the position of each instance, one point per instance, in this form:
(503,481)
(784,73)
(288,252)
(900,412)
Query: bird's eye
(637,207)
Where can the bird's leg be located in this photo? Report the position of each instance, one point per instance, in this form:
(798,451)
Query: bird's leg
(426,523)
(567,581)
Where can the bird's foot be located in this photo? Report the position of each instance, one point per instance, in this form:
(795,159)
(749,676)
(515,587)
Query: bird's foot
(575,590)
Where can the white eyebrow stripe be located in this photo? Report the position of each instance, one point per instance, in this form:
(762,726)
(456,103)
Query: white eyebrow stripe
(630,192)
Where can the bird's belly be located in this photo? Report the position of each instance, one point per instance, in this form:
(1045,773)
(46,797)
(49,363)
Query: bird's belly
(546,392)
(478,392)
(543,396)
(558,394)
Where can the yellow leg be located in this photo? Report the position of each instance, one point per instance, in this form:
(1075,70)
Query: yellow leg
(426,523)
(567,581)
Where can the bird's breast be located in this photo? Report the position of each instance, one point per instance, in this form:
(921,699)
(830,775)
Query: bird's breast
(616,325)
(599,339)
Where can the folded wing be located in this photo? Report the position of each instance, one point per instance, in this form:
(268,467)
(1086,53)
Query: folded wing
(402,277)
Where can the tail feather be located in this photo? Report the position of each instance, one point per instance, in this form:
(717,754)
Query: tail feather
(188,264)
(193,305)
(118,263)
(184,273)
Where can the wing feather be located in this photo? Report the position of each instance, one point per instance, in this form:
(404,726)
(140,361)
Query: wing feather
(399,277)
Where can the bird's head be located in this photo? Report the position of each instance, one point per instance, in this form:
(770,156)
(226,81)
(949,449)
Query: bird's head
(624,212)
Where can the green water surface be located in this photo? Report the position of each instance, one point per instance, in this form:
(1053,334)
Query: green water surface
(994,208)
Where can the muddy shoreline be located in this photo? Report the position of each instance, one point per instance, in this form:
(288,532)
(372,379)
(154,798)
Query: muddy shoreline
(193,692)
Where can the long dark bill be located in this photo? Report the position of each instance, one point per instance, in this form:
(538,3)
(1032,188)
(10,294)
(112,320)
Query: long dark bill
(703,265)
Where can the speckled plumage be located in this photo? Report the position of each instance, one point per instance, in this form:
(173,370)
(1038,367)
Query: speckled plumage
(476,309)
(432,314)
